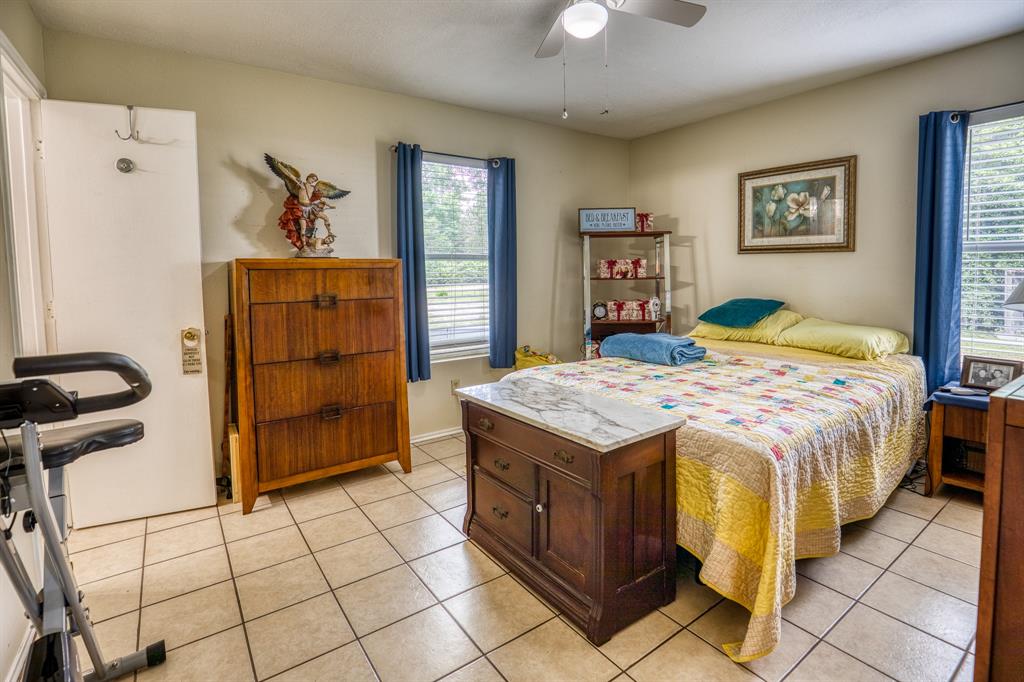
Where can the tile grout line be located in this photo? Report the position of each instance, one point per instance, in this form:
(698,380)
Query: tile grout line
(238,601)
(857,601)
(334,595)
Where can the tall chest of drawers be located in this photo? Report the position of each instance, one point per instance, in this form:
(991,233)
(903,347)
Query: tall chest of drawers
(319,369)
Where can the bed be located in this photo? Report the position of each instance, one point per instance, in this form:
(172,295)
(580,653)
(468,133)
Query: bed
(781,447)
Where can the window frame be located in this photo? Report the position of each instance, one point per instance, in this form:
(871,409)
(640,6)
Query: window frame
(981,246)
(466,349)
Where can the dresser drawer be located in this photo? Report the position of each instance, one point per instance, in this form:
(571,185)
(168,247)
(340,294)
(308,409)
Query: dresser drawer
(294,446)
(508,515)
(505,465)
(302,331)
(553,451)
(297,389)
(285,286)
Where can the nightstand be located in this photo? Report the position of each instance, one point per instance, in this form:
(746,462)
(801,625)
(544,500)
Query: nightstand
(956,444)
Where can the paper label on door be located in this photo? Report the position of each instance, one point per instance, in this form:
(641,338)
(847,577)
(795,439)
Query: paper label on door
(191,352)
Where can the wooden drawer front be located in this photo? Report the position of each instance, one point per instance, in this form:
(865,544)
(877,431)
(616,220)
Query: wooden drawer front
(297,389)
(295,446)
(544,447)
(302,331)
(510,516)
(965,423)
(505,465)
(283,286)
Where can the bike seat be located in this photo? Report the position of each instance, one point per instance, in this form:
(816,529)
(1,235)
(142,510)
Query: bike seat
(61,447)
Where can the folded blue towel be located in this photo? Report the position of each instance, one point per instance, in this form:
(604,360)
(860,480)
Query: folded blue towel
(661,349)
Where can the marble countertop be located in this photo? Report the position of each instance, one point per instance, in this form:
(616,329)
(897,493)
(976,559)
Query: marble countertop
(599,423)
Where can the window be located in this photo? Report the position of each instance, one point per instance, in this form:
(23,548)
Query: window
(455,242)
(993,236)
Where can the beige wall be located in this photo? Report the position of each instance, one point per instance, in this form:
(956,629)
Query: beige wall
(21,27)
(343,133)
(687,177)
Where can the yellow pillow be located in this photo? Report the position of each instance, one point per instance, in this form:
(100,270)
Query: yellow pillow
(765,331)
(848,340)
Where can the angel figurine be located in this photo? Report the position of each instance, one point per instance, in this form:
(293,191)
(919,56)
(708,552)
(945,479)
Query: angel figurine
(305,205)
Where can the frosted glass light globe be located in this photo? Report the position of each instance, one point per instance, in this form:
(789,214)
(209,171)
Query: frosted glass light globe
(584,19)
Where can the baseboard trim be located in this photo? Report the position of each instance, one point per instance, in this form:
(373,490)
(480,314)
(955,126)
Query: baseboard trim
(21,657)
(435,435)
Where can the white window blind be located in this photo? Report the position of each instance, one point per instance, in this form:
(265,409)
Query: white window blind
(455,241)
(993,239)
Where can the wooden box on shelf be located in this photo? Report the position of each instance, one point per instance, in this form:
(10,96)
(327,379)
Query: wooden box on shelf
(319,369)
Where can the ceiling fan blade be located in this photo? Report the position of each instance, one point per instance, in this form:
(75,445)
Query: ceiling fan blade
(552,43)
(677,12)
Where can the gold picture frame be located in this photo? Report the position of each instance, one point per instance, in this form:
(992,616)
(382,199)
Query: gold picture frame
(801,207)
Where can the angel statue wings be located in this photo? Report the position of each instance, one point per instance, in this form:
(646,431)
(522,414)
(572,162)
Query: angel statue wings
(306,204)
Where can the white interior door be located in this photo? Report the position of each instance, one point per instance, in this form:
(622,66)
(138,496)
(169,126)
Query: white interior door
(125,270)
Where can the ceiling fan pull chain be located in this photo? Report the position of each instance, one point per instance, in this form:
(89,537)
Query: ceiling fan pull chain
(606,27)
(565,46)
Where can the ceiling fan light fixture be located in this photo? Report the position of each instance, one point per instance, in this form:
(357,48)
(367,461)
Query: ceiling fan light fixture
(585,18)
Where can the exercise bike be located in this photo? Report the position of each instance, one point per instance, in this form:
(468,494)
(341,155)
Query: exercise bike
(57,611)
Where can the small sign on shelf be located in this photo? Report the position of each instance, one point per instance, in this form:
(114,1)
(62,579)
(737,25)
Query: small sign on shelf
(608,219)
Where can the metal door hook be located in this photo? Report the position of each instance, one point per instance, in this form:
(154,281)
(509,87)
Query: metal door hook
(133,134)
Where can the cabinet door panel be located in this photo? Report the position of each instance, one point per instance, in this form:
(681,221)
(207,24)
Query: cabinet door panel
(566,528)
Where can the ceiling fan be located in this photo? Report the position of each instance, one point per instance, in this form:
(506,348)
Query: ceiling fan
(585,18)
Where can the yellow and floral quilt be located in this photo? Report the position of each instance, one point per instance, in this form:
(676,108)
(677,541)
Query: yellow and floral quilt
(781,447)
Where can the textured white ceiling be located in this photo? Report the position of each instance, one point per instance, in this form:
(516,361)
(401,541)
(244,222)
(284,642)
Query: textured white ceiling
(479,53)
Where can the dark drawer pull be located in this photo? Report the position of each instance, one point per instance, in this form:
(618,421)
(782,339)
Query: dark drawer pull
(563,456)
(330,412)
(326,300)
(502,464)
(485,424)
(329,357)
(499,512)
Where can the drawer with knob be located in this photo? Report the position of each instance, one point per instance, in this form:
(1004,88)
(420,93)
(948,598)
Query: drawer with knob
(508,514)
(295,389)
(506,466)
(331,437)
(305,331)
(545,448)
(322,286)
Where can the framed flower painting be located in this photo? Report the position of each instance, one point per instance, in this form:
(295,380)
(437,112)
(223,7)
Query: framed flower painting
(803,207)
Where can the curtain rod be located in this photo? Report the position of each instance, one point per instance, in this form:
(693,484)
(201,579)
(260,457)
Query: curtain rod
(394,148)
(998,106)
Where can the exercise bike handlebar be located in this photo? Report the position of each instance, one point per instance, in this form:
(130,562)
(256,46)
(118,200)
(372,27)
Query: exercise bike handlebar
(130,372)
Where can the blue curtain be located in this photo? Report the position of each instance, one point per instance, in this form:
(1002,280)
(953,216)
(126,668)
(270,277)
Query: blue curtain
(501,260)
(410,250)
(940,178)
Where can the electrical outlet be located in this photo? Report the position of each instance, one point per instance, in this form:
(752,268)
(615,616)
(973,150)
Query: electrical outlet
(455,384)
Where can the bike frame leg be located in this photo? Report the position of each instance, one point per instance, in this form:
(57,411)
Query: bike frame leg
(60,580)
(20,581)
(52,542)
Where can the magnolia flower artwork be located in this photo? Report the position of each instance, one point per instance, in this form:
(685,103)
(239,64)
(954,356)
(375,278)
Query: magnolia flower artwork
(805,207)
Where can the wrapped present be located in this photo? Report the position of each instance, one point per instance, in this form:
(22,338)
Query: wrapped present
(637,310)
(621,268)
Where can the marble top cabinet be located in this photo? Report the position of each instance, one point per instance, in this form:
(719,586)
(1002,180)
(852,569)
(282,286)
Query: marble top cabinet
(575,495)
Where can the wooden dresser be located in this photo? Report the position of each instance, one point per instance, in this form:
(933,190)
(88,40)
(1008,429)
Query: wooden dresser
(319,369)
(586,518)
(1000,645)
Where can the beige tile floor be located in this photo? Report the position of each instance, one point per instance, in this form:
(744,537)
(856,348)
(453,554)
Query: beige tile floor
(367,576)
